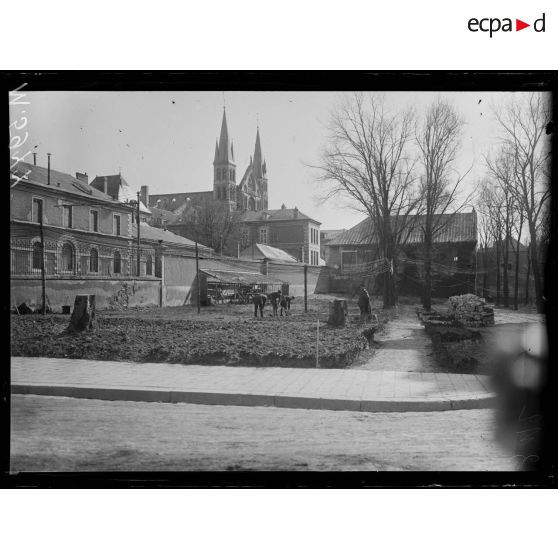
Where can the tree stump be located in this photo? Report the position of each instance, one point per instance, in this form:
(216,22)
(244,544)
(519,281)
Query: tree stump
(83,317)
(337,312)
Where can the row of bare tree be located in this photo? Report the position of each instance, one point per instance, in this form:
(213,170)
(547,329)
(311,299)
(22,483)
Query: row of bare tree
(397,165)
(513,197)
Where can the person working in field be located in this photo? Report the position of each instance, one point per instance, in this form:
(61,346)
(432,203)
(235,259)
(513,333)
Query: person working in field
(275,299)
(364,303)
(285,304)
(259,300)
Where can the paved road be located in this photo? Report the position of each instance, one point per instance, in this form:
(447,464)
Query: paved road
(66,434)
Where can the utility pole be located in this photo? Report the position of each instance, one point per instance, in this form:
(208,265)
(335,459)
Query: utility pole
(305,289)
(138,224)
(198,276)
(43,277)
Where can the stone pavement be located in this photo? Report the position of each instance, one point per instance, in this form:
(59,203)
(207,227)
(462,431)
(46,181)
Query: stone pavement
(390,389)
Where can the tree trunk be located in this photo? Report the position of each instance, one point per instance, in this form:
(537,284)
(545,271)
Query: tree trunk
(427,294)
(337,312)
(536,270)
(528,275)
(516,283)
(83,317)
(505,257)
(498,273)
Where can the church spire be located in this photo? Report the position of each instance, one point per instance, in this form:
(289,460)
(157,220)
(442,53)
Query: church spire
(225,152)
(258,159)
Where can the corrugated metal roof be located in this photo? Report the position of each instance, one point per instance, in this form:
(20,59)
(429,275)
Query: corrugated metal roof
(456,227)
(243,277)
(269,252)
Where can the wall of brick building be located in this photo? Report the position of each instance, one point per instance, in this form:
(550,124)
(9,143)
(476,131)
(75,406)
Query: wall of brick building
(61,292)
(21,208)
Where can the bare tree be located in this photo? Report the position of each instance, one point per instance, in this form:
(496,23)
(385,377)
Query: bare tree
(367,160)
(523,122)
(212,224)
(438,139)
(501,171)
(492,227)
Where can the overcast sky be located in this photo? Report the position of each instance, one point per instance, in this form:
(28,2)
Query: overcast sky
(167,139)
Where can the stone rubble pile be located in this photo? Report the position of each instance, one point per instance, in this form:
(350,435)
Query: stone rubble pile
(471,310)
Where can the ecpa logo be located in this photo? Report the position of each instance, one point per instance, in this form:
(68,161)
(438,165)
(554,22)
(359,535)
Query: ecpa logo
(494,24)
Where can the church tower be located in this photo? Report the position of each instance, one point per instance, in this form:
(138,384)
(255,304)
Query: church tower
(224,168)
(259,170)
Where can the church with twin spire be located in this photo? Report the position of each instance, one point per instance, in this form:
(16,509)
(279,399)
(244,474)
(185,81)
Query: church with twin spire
(251,192)
(246,197)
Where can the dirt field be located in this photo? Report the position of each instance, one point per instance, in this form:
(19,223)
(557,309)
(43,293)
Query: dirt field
(222,334)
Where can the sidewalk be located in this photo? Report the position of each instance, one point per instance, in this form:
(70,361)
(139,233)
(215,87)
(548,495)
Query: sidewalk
(297,388)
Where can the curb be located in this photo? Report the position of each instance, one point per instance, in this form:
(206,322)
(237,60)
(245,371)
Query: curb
(163,395)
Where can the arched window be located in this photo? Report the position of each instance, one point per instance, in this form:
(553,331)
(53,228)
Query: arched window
(117,262)
(68,260)
(37,255)
(149,265)
(94,261)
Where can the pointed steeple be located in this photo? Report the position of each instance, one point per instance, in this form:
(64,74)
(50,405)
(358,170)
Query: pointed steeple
(258,155)
(225,153)
(216,158)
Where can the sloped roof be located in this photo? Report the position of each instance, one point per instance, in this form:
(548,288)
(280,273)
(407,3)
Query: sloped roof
(118,188)
(168,216)
(283,214)
(269,252)
(147,232)
(239,276)
(455,227)
(59,181)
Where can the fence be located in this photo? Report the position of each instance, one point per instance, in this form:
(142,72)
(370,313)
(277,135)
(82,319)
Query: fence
(66,259)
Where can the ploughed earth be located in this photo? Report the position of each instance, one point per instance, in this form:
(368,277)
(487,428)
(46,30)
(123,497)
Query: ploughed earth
(221,334)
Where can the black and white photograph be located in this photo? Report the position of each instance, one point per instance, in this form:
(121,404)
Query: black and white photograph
(271,279)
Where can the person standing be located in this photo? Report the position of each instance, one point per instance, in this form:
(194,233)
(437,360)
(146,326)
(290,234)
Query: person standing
(259,300)
(364,303)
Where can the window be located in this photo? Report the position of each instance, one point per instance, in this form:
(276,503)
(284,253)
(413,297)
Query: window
(149,265)
(68,216)
(263,235)
(94,220)
(348,258)
(93,261)
(37,210)
(245,237)
(116,225)
(117,263)
(37,255)
(67,257)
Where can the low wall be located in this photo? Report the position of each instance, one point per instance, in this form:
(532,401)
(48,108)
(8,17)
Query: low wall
(294,275)
(108,292)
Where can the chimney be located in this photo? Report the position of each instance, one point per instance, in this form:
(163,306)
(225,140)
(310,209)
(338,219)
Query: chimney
(144,195)
(34,158)
(83,177)
(283,206)
(105,185)
(295,212)
(48,168)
